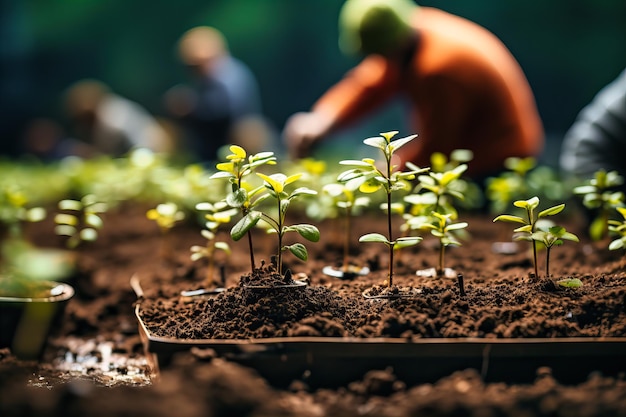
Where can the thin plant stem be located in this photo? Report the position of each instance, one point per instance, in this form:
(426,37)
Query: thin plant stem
(548,262)
(390,239)
(250,247)
(389,229)
(346,246)
(532,230)
(279,231)
(211,266)
(250,250)
(442,249)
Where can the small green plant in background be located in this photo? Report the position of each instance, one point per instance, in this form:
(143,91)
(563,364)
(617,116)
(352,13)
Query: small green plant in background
(618,228)
(441,188)
(20,263)
(511,185)
(346,200)
(215,215)
(315,175)
(242,195)
(276,184)
(554,236)
(472,194)
(166,216)
(443,229)
(598,194)
(529,223)
(368,178)
(80,220)
(432,204)
(14,211)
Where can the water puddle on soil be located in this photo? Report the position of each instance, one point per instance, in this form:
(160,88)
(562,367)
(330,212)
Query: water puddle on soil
(92,361)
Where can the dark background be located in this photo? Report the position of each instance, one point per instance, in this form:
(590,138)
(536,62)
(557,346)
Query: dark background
(569,49)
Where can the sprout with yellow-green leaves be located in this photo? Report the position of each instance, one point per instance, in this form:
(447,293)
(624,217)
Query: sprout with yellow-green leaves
(346,199)
(618,228)
(242,195)
(443,229)
(554,236)
(600,194)
(14,210)
(529,223)
(166,216)
(440,187)
(369,178)
(80,220)
(216,215)
(276,184)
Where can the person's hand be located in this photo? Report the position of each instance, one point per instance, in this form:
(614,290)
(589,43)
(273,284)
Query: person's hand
(303,130)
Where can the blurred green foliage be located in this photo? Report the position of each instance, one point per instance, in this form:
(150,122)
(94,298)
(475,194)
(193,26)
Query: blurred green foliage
(569,49)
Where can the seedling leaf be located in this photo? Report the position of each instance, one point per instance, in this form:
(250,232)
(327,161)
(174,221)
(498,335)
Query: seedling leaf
(376,142)
(299,250)
(551,211)
(373,237)
(404,242)
(246,223)
(509,218)
(307,231)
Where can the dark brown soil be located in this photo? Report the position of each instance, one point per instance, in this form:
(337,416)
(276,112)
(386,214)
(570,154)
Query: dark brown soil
(501,301)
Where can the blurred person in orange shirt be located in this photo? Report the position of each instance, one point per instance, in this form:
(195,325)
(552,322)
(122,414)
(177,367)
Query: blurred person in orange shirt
(464,88)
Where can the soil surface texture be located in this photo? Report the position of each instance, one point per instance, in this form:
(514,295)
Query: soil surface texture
(499,299)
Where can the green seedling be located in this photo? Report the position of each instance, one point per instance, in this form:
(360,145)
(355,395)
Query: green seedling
(315,176)
(598,194)
(618,228)
(529,223)
(554,236)
(440,188)
(14,211)
(80,220)
(441,163)
(166,216)
(276,184)
(347,201)
(368,178)
(215,216)
(511,185)
(471,191)
(242,195)
(442,228)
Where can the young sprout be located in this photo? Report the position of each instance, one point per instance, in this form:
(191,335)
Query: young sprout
(440,187)
(529,223)
(471,191)
(276,184)
(368,178)
(166,216)
(442,228)
(554,236)
(618,228)
(215,216)
(242,196)
(346,200)
(598,194)
(80,220)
